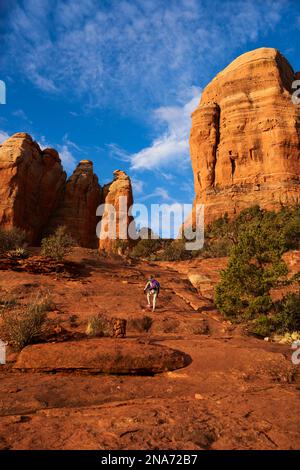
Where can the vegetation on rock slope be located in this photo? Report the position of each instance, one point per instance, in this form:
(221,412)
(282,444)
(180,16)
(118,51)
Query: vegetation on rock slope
(58,245)
(258,240)
(254,242)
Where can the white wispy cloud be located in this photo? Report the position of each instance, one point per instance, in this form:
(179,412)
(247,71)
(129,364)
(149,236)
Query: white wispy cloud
(171,146)
(137,185)
(187,187)
(42,82)
(159,193)
(3,136)
(67,157)
(117,152)
(166,176)
(130,54)
(68,160)
(68,142)
(19,113)
(161,152)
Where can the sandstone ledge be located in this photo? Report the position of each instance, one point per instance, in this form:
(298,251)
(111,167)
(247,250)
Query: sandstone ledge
(103,355)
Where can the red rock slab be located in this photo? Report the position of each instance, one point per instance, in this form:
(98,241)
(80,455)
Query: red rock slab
(104,355)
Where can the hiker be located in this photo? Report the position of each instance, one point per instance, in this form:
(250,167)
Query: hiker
(152,288)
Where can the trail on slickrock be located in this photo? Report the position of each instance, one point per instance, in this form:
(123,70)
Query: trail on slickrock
(188,379)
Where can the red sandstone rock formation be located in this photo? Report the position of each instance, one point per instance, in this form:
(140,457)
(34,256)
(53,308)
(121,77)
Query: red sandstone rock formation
(35,196)
(120,187)
(77,209)
(31,183)
(245,137)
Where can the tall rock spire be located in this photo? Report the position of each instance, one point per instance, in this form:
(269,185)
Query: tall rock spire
(77,209)
(116,195)
(31,185)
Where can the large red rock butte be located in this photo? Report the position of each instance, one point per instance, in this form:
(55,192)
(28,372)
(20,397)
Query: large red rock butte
(245,137)
(36,196)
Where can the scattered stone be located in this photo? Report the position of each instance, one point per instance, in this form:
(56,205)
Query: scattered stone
(119,327)
(198,396)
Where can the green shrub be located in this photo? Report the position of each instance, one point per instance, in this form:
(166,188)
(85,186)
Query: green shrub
(287,313)
(99,325)
(58,245)
(7,303)
(42,303)
(121,246)
(18,253)
(175,251)
(291,230)
(254,267)
(11,239)
(262,326)
(145,248)
(284,317)
(216,248)
(219,227)
(255,241)
(222,234)
(22,327)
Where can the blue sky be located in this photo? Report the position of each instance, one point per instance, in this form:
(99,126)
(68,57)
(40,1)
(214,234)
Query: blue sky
(115,81)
